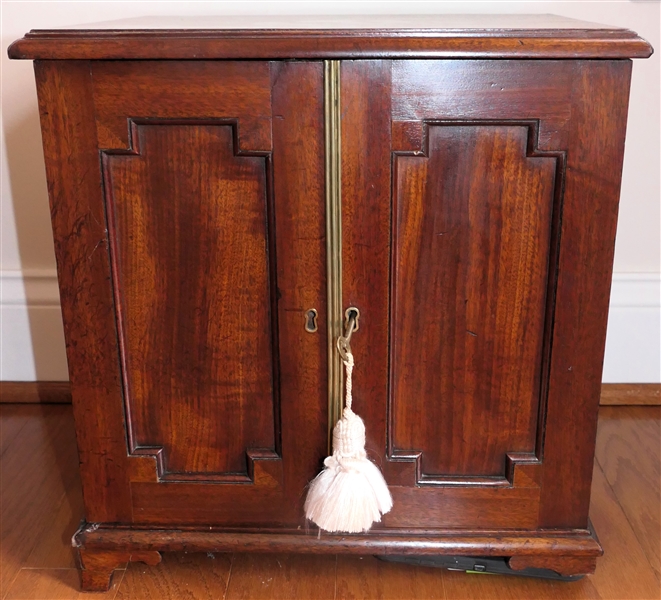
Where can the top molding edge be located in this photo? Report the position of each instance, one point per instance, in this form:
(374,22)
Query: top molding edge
(294,43)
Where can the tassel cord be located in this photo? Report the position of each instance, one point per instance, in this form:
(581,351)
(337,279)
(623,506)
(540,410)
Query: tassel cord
(348,366)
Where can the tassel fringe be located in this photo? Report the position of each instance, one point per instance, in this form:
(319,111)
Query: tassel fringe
(350,494)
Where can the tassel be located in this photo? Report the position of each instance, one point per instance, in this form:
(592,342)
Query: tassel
(350,493)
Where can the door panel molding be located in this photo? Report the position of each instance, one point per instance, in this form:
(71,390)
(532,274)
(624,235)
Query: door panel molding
(156,244)
(411,139)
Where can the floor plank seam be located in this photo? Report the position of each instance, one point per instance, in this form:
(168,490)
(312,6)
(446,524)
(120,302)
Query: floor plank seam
(229,576)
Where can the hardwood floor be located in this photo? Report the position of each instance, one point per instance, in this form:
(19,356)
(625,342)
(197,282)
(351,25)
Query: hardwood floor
(41,505)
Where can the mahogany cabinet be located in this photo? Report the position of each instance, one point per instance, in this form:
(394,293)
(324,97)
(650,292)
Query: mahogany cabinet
(221,194)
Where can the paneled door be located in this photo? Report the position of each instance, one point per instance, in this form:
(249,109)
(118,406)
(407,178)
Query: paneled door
(459,178)
(202,266)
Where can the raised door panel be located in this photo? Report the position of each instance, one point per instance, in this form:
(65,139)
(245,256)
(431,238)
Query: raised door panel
(471,226)
(188,207)
(188,231)
(471,196)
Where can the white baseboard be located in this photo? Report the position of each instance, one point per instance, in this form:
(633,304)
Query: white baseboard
(32,340)
(633,340)
(31,333)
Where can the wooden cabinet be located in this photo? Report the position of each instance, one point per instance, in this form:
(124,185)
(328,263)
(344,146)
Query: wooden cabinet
(220,196)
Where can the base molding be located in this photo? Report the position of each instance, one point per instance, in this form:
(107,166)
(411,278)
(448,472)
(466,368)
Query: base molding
(569,552)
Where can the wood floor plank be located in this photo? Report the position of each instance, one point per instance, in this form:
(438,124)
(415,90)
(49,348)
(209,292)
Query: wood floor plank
(629,453)
(53,548)
(56,584)
(623,572)
(368,577)
(38,469)
(13,417)
(182,576)
(278,576)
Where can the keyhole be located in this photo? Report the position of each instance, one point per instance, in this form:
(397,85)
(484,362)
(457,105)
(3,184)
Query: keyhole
(311,320)
(352,313)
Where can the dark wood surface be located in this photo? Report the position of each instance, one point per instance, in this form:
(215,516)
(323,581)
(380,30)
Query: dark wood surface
(585,262)
(471,225)
(430,36)
(59,392)
(461,318)
(66,106)
(210,339)
(188,269)
(38,453)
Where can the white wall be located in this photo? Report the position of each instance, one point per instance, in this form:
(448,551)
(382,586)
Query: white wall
(31,340)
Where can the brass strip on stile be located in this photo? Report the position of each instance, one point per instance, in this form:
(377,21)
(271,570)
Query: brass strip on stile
(333,239)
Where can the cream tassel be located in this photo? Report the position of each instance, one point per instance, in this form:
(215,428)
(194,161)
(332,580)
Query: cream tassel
(350,493)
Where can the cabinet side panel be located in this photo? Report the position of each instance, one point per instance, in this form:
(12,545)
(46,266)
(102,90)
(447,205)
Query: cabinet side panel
(81,249)
(190,244)
(471,239)
(594,165)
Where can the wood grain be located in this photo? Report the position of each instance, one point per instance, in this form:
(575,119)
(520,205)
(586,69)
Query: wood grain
(584,269)
(38,471)
(13,419)
(179,575)
(54,550)
(370,578)
(465,541)
(486,90)
(190,352)
(366,187)
(191,259)
(56,584)
(183,90)
(59,392)
(628,452)
(266,576)
(374,36)
(66,107)
(623,572)
(471,228)
(300,246)
(498,95)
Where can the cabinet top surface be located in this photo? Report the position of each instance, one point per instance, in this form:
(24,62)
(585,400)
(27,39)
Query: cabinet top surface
(349,36)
